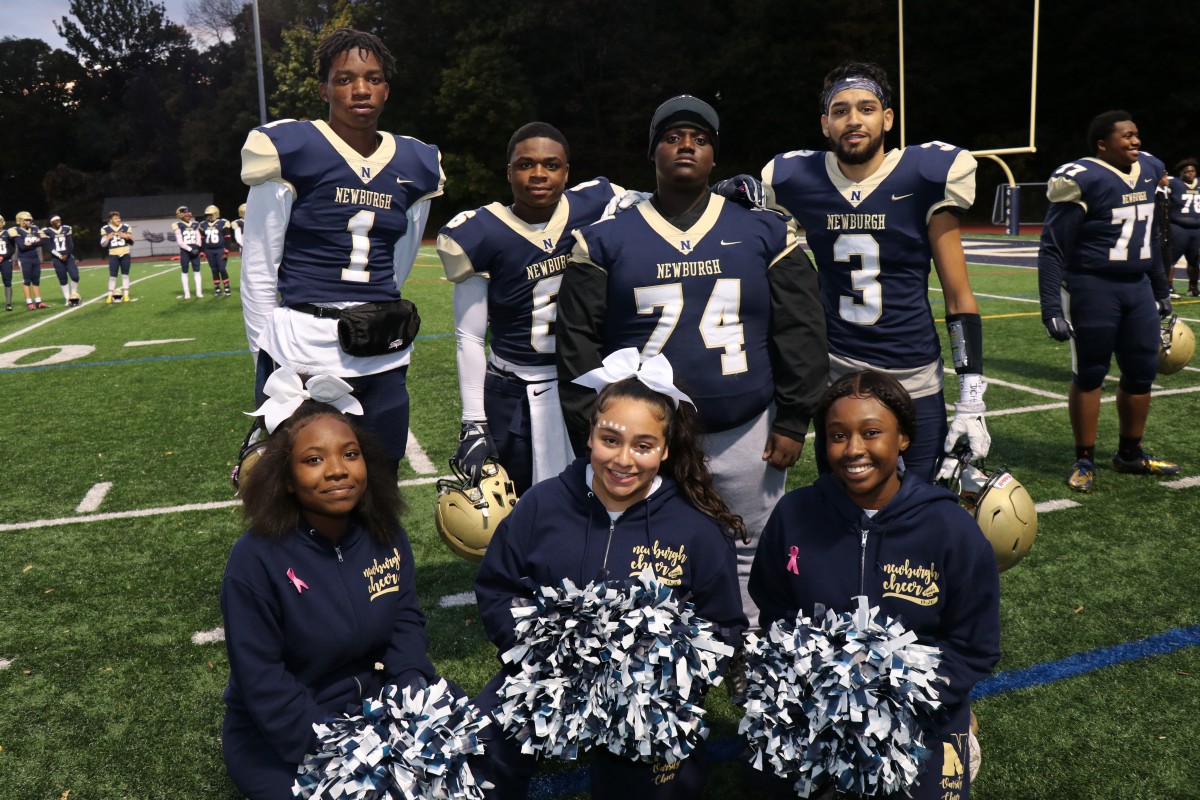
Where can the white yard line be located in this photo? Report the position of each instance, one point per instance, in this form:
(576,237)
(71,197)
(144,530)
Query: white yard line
(146,342)
(1039,392)
(94,497)
(455,600)
(209,637)
(1054,505)
(1183,483)
(416,457)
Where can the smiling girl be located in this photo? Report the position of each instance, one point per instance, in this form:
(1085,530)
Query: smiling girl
(907,545)
(319,599)
(643,497)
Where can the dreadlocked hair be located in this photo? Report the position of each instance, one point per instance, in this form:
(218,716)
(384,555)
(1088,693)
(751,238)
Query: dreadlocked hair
(343,40)
(686,463)
(271,511)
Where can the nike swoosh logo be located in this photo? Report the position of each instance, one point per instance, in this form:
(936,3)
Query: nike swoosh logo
(542,392)
(901,197)
(729,243)
(1148,180)
(401,180)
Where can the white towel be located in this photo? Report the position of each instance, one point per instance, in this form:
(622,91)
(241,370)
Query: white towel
(551,446)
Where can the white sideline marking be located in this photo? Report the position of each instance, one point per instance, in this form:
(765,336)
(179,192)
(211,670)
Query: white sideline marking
(208,637)
(416,456)
(995,296)
(1183,483)
(94,497)
(156,341)
(1054,505)
(1003,412)
(152,512)
(460,599)
(985,250)
(52,317)
(1023,388)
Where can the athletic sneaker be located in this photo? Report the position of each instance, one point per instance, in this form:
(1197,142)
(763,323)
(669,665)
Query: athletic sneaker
(30,306)
(125,297)
(1083,476)
(8,307)
(227,292)
(108,300)
(40,304)
(1194,291)
(1174,295)
(1146,464)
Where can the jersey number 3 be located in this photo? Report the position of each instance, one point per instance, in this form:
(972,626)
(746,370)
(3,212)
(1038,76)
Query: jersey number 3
(865,279)
(720,325)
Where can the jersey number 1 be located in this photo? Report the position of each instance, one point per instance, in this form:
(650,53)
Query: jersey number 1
(360,247)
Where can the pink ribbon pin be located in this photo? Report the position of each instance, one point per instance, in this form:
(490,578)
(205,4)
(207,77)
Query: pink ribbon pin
(301,585)
(792,566)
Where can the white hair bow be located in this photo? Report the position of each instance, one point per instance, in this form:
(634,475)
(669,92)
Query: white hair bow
(285,392)
(655,372)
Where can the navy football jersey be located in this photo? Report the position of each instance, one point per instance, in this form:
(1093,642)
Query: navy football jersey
(191,232)
(118,246)
(6,244)
(1117,232)
(349,210)
(59,240)
(28,242)
(870,241)
(214,235)
(1184,202)
(523,264)
(699,296)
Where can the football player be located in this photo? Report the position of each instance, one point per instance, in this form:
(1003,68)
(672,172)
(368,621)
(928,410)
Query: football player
(506,264)
(333,220)
(188,237)
(874,219)
(28,241)
(1103,288)
(58,239)
(7,248)
(214,233)
(1183,196)
(725,293)
(117,238)
(239,225)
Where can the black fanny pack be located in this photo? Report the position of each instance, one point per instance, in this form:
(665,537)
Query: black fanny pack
(375,329)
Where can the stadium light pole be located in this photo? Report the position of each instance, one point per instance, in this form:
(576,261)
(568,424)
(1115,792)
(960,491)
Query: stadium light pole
(262,92)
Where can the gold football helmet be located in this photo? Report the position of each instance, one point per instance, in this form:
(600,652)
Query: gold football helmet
(179,212)
(252,447)
(23,216)
(1000,504)
(1178,346)
(466,516)
(242,211)
(1,221)
(212,212)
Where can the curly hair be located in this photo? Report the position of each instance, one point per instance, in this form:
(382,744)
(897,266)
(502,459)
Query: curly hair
(343,40)
(869,384)
(686,463)
(538,130)
(271,510)
(1103,125)
(1190,161)
(862,68)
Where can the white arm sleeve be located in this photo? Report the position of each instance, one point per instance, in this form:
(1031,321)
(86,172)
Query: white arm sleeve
(470,328)
(237,233)
(410,243)
(268,209)
(179,237)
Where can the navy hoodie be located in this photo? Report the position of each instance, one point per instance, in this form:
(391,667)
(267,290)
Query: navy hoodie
(299,655)
(922,559)
(560,529)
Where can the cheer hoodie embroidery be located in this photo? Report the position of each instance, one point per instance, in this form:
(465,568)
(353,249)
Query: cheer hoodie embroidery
(560,529)
(298,657)
(921,559)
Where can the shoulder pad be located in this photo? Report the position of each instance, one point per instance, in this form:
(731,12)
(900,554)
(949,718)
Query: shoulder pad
(260,158)
(1063,186)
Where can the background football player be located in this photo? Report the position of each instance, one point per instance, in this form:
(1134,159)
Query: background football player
(1183,199)
(117,238)
(333,220)
(506,264)
(28,241)
(874,220)
(1103,288)
(238,226)
(60,242)
(7,248)
(725,293)
(214,233)
(188,237)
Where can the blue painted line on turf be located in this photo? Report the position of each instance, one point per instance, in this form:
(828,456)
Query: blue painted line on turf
(548,787)
(71,365)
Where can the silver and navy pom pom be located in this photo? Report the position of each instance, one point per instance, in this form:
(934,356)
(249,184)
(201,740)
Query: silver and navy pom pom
(408,744)
(617,665)
(841,700)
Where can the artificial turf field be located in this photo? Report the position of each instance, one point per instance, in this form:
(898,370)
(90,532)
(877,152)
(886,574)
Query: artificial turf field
(104,692)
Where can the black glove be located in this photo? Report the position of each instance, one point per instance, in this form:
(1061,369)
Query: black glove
(1164,307)
(743,189)
(195,251)
(475,446)
(1058,328)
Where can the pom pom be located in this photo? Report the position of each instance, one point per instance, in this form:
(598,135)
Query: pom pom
(841,700)
(621,665)
(409,744)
